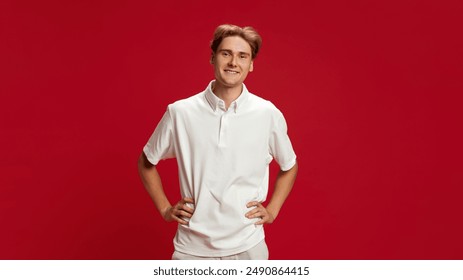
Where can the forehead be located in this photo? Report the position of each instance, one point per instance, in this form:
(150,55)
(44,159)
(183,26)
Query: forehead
(235,44)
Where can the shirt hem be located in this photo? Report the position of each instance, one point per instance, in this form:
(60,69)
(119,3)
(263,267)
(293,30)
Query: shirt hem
(221,253)
(149,157)
(289,165)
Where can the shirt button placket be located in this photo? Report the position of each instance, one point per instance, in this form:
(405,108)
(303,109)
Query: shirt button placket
(223,129)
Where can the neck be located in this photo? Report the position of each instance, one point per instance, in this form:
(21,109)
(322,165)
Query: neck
(227,94)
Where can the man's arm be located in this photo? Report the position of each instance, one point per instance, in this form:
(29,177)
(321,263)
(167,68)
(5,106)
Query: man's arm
(152,182)
(283,185)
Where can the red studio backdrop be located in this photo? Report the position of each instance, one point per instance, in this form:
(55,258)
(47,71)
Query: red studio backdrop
(371,93)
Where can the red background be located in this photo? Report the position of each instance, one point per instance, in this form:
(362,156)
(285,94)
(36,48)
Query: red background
(371,93)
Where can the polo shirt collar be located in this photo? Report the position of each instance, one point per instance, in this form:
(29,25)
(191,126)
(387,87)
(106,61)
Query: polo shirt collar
(215,102)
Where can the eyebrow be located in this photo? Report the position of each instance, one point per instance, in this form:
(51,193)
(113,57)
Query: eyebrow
(228,50)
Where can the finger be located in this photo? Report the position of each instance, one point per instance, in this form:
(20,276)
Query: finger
(267,219)
(264,219)
(182,213)
(178,212)
(187,209)
(187,200)
(253,203)
(252,212)
(258,214)
(174,216)
(187,204)
(180,205)
(180,221)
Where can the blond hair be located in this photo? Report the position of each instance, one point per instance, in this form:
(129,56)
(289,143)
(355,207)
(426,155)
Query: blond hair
(248,33)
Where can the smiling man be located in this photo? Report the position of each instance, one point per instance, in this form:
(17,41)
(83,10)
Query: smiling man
(224,139)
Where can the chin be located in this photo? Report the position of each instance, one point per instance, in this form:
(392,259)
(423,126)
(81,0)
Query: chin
(232,85)
(227,84)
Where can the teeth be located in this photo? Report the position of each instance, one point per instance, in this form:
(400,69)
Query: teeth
(229,71)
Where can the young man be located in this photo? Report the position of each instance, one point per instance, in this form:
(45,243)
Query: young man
(224,139)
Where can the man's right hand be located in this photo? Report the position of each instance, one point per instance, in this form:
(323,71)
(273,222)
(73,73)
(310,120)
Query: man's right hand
(179,211)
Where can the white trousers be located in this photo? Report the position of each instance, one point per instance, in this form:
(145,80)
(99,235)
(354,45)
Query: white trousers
(258,252)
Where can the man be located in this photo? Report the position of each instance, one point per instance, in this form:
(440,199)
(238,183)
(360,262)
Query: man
(224,139)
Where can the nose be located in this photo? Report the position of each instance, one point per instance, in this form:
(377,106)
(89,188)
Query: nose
(232,61)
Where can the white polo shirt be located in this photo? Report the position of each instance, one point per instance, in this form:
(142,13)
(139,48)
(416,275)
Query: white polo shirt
(223,161)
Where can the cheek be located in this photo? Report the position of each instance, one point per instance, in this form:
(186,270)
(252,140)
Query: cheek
(216,67)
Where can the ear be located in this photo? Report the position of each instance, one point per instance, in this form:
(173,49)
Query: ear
(212,60)
(251,68)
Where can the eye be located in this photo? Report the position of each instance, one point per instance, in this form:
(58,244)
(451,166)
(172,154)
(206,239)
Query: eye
(225,54)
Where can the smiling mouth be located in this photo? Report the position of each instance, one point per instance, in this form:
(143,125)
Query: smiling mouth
(231,71)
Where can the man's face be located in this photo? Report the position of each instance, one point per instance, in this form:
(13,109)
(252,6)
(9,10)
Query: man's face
(232,62)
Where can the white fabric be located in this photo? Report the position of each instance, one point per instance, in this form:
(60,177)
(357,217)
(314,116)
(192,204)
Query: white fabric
(223,158)
(258,252)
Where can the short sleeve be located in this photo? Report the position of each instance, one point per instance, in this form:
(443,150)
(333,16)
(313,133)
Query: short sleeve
(161,143)
(280,147)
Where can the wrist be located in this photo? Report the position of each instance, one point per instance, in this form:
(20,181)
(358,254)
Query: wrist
(165,212)
(273,212)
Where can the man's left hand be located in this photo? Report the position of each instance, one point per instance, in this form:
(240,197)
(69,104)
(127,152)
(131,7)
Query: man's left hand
(259,212)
